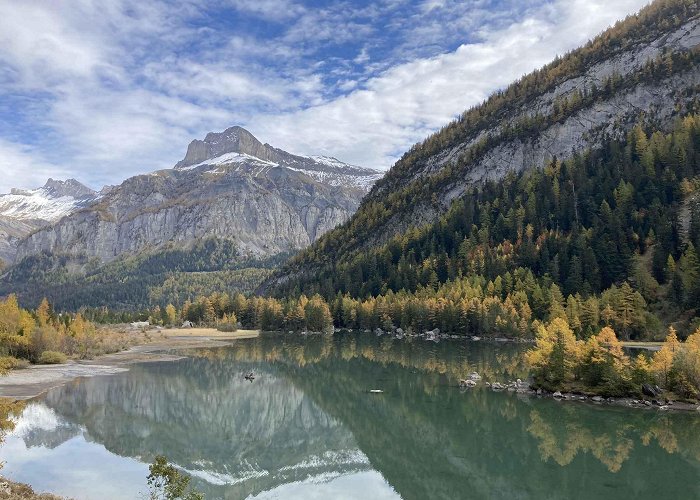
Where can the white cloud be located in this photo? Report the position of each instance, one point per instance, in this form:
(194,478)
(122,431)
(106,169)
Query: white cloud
(24,168)
(373,126)
(125,85)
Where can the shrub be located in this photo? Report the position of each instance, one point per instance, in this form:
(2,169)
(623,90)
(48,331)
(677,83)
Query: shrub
(227,327)
(10,363)
(52,358)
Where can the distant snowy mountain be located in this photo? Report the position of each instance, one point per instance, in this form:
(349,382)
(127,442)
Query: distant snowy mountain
(25,211)
(49,203)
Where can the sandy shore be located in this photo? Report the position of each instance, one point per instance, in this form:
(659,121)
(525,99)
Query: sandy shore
(30,382)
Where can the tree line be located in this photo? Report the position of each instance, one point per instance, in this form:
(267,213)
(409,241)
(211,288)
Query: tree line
(560,361)
(626,215)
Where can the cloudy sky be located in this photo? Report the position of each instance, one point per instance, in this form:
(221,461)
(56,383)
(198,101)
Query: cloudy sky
(103,89)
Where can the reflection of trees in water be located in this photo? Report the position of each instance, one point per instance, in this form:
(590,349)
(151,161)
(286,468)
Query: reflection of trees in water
(563,433)
(452,359)
(426,437)
(9,409)
(562,443)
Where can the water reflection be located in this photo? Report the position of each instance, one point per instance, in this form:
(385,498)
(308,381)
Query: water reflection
(308,427)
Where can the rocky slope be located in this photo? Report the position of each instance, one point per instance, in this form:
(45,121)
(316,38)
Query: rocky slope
(22,212)
(228,186)
(644,69)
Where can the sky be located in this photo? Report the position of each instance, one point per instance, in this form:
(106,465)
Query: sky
(100,90)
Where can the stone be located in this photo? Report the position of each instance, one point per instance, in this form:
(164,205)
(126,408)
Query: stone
(649,390)
(557,394)
(597,399)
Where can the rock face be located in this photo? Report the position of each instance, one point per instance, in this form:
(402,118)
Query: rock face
(612,116)
(22,212)
(646,70)
(230,186)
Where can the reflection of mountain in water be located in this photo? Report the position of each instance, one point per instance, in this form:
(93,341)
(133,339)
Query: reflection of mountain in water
(41,426)
(308,412)
(429,440)
(242,437)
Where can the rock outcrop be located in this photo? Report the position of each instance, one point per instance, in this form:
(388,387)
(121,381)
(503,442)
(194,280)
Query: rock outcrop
(229,186)
(25,211)
(612,115)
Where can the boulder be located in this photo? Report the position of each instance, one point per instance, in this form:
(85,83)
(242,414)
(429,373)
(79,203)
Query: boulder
(557,394)
(650,390)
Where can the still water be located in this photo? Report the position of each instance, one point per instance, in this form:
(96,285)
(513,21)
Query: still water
(307,427)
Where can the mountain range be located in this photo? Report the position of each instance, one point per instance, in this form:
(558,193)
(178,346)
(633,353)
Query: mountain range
(25,211)
(231,203)
(229,185)
(580,175)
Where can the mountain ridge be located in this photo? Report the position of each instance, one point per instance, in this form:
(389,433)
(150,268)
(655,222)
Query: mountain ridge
(24,211)
(646,65)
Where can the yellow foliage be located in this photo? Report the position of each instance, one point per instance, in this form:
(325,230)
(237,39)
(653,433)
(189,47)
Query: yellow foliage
(662,362)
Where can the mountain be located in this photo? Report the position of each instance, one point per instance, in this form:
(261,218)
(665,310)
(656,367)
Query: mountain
(580,175)
(231,204)
(22,212)
(229,186)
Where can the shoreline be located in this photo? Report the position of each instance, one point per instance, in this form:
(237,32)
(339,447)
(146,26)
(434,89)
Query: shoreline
(35,380)
(523,389)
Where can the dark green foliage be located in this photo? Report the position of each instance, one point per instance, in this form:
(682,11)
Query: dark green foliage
(167,483)
(628,201)
(170,275)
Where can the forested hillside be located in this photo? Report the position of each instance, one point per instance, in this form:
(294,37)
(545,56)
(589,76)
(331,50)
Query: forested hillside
(605,232)
(159,277)
(644,70)
(608,236)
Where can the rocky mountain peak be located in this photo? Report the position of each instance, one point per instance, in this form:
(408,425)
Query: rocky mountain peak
(70,187)
(232,140)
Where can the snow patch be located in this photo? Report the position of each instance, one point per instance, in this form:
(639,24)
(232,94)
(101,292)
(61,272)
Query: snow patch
(223,478)
(335,458)
(228,158)
(39,204)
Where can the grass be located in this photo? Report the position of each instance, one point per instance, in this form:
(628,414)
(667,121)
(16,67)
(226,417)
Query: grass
(210,332)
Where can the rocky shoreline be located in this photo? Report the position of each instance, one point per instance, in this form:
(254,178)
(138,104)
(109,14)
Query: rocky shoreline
(31,382)
(474,381)
(20,491)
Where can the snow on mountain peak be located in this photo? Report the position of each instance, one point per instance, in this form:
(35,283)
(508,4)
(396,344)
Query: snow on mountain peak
(54,200)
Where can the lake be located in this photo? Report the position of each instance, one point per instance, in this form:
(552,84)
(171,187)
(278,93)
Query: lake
(307,427)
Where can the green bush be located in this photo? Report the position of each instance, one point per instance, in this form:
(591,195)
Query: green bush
(52,358)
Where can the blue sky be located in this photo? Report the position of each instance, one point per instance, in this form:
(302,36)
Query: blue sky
(103,89)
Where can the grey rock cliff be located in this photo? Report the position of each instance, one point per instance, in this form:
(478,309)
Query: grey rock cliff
(613,116)
(230,186)
(25,211)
